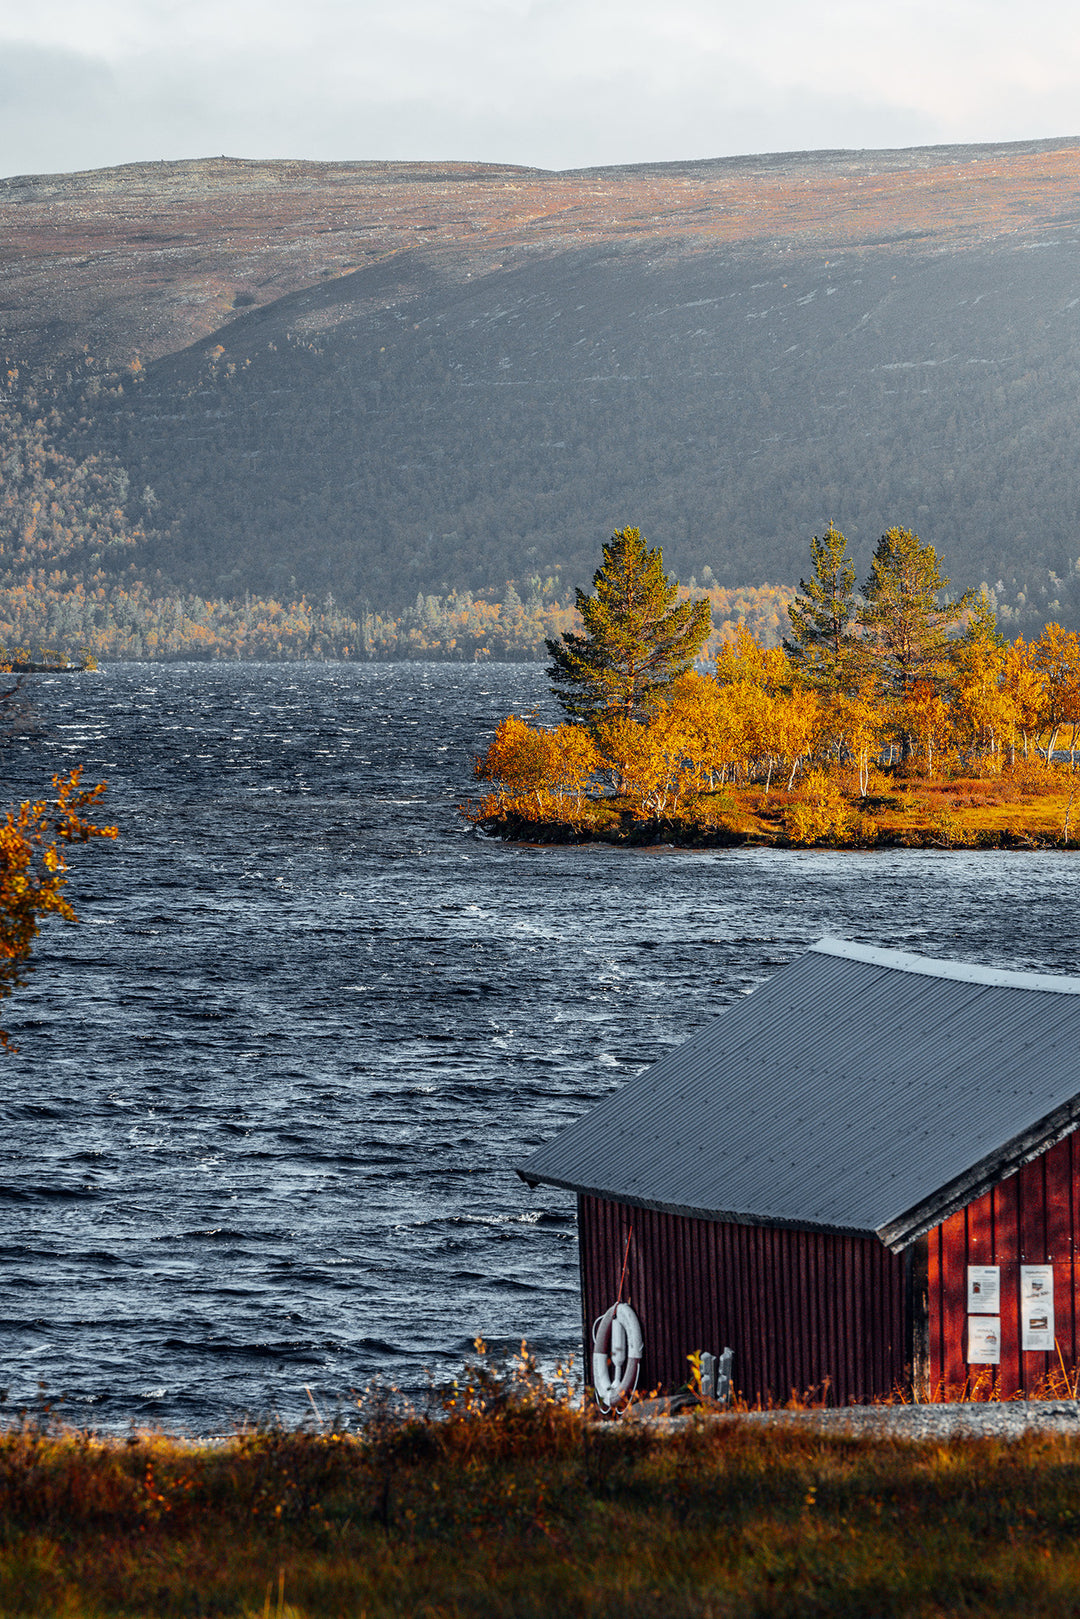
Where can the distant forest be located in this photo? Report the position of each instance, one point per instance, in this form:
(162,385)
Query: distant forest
(433,476)
(74,574)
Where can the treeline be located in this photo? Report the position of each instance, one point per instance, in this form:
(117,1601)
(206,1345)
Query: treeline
(78,543)
(128,620)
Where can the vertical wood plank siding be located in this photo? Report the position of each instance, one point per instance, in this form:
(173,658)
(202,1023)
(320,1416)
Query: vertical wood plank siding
(1029,1219)
(800,1309)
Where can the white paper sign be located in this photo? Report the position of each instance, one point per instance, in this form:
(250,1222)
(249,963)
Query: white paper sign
(984,1340)
(1036,1306)
(984,1289)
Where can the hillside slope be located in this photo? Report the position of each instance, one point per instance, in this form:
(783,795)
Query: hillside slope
(463,436)
(378,380)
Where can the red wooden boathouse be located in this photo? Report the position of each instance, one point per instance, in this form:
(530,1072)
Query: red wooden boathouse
(863,1176)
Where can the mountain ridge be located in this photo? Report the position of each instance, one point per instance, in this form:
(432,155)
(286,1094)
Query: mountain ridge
(170,245)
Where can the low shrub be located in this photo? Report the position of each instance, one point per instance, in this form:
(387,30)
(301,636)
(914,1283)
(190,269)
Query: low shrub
(819,812)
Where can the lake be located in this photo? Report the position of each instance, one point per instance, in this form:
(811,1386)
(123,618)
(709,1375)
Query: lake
(261,1130)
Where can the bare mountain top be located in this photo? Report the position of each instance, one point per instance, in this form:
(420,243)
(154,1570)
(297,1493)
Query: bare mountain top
(151,257)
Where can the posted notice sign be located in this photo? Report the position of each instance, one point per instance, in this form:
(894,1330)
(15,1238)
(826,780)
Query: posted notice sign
(984,1289)
(1036,1306)
(984,1340)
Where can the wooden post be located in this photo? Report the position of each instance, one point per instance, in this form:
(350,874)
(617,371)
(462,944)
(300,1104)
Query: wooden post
(917,1258)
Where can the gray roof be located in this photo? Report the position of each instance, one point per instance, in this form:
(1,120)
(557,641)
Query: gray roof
(859,1090)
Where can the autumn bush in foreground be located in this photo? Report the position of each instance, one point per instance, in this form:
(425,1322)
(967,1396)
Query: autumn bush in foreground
(34,839)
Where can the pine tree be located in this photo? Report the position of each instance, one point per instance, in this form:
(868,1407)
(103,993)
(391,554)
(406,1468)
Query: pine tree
(638,638)
(907,629)
(823,616)
(905,625)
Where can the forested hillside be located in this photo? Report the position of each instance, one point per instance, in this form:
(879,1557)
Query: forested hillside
(502,430)
(487,371)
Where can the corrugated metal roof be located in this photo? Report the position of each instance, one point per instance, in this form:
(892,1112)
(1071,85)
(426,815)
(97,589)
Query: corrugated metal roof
(859,1090)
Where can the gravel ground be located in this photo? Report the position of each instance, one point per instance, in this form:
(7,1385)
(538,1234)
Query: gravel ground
(997,1419)
(985,1419)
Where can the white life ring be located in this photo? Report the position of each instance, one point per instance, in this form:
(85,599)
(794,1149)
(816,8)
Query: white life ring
(617,1346)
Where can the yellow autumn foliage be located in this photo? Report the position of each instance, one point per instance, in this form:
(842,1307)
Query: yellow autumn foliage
(537,773)
(33,870)
(819,813)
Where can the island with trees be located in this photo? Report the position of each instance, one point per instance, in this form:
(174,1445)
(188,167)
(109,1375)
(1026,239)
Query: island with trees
(891,715)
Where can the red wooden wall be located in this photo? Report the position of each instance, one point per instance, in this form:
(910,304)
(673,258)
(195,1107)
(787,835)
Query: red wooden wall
(1029,1219)
(798,1308)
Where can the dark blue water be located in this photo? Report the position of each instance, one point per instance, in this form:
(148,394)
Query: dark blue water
(261,1127)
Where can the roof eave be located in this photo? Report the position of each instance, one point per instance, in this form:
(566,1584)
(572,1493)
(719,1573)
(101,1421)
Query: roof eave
(965,972)
(689,1212)
(900,1232)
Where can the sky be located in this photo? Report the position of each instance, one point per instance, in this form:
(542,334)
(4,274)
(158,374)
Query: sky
(547,83)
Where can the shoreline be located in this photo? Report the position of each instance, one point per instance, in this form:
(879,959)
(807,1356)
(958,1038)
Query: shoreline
(663,837)
(914,1420)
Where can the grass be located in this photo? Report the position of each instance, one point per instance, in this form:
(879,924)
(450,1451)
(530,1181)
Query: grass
(508,1501)
(1026,808)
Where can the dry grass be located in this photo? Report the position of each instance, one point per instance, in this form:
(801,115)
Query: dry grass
(1023,809)
(506,1500)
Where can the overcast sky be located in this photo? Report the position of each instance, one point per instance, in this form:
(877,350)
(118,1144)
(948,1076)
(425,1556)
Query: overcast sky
(552,83)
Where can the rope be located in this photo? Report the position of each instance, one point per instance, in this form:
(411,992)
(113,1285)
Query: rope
(626,1258)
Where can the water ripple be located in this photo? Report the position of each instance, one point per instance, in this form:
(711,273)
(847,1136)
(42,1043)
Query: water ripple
(260,1130)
